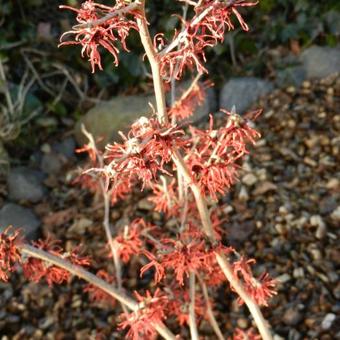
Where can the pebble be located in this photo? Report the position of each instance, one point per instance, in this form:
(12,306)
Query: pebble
(333,183)
(335,216)
(292,316)
(328,321)
(284,278)
(80,226)
(264,187)
(280,228)
(249,179)
(321,232)
(145,204)
(298,273)
(300,222)
(243,194)
(242,323)
(317,221)
(51,163)
(278,337)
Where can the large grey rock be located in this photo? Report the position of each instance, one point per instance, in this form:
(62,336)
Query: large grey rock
(105,119)
(25,184)
(291,76)
(243,93)
(320,62)
(19,217)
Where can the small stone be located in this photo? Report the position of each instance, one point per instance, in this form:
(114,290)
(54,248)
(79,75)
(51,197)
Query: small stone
(19,217)
(335,215)
(316,254)
(243,194)
(278,337)
(333,183)
(310,162)
(300,222)
(25,184)
(283,210)
(280,228)
(264,187)
(45,323)
(298,273)
(145,204)
(317,221)
(261,174)
(321,232)
(228,209)
(310,270)
(328,320)
(80,226)
(292,317)
(242,323)
(284,278)
(312,141)
(306,84)
(46,148)
(51,163)
(249,179)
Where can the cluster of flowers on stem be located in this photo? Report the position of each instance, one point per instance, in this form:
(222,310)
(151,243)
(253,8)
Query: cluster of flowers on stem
(186,169)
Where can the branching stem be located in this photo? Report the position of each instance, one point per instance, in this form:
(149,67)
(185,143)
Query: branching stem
(94,280)
(152,56)
(192,316)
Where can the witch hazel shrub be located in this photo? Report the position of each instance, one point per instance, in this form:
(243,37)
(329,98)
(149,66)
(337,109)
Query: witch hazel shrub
(185,169)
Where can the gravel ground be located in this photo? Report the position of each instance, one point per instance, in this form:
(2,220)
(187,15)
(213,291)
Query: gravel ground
(284,212)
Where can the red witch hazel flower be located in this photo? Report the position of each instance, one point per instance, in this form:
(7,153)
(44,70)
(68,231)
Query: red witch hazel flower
(215,152)
(93,32)
(260,289)
(35,269)
(179,301)
(150,312)
(146,149)
(185,106)
(9,252)
(205,29)
(98,295)
(164,197)
(129,241)
(249,334)
(188,253)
